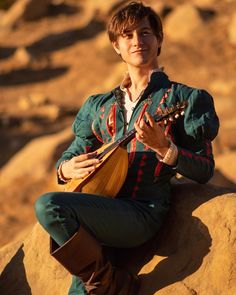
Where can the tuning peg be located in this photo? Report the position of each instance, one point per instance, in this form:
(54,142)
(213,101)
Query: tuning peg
(171,119)
(176,116)
(182,113)
(165,122)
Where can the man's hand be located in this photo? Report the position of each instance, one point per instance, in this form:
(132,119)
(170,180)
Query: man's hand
(152,135)
(80,166)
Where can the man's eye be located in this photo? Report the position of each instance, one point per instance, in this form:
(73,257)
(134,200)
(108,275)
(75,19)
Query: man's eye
(145,33)
(128,36)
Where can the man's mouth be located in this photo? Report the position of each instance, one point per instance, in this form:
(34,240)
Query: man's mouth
(141,50)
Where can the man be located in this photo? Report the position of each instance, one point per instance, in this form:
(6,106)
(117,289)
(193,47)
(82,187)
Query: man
(81,224)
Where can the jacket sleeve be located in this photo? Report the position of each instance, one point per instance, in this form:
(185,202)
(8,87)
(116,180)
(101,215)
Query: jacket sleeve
(194,135)
(84,141)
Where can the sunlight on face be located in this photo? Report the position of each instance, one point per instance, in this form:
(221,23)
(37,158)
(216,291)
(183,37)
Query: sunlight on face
(138,46)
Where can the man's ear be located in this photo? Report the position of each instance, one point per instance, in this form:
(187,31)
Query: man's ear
(116,47)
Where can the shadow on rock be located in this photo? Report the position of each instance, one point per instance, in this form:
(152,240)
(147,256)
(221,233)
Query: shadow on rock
(13,278)
(179,248)
(62,9)
(26,76)
(6,52)
(220,179)
(54,42)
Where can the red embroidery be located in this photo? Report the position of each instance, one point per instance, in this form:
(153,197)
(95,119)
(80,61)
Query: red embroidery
(111,121)
(139,175)
(134,141)
(142,112)
(196,157)
(87,148)
(208,147)
(95,133)
(142,162)
(158,169)
(132,150)
(167,129)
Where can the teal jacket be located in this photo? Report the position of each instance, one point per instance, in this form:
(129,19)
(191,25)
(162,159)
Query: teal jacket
(101,120)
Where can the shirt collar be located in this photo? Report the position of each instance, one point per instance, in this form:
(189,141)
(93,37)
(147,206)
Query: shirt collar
(126,82)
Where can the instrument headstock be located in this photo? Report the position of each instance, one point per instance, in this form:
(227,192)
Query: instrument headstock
(173,112)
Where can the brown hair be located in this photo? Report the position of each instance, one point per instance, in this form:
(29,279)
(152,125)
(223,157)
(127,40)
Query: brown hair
(129,16)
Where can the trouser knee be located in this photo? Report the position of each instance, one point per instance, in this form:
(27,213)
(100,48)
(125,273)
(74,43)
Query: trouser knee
(43,207)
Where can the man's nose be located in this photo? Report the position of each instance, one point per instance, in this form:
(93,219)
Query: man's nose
(137,39)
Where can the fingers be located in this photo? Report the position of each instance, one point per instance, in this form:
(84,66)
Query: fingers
(80,166)
(83,172)
(150,119)
(85,160)
(84,157)
(150,133)
(144,129)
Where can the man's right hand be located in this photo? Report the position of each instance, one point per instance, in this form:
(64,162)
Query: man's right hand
(79,166)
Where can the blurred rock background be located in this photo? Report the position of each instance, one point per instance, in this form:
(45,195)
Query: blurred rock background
(54,54)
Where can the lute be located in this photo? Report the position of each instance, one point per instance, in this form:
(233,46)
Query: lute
(110,173)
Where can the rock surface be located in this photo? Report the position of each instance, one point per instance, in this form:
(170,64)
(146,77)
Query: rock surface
(182,23)
(65,56)
(24,9)
(196,242)
(231,29)
(32,170)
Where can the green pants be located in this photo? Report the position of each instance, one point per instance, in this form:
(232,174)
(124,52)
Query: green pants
(118,222)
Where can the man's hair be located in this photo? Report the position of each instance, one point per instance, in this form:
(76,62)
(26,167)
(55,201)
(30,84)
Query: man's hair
(129,16)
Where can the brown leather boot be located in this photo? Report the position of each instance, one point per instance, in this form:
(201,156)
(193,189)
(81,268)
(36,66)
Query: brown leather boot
(83,256)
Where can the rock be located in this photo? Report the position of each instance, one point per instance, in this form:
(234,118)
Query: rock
(181,24)
(24,9)
(157,6)
(196,242)
(231,30)
(35,99)
(26,176)
(222,87)
(25,269)
(20,166)
(204,3)
(227,134)
(226,165)
(22,56)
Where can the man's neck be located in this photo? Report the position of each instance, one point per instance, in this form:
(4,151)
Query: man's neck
(139,80)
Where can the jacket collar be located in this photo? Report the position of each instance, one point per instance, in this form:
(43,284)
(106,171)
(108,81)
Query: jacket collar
(158,80)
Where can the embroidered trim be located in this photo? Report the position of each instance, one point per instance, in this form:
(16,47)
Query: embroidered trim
(111,121)
(87,148)
(167,130)
(134,141)
(139,175)
(208,147)
(196,157)
(158,169)
(95,133)
(132,150)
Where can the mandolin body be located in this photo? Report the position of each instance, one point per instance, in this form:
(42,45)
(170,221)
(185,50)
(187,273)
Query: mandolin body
(108,177)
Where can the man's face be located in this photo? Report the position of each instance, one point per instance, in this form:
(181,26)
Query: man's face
(138,45)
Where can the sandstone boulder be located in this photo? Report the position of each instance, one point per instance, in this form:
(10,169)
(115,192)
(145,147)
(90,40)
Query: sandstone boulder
(181,24)
(193,253)
(24,9)
(227,134)
(226,165)
(27,175)
(204,3)
(231,29)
